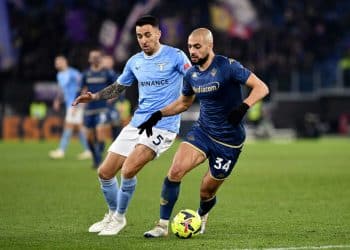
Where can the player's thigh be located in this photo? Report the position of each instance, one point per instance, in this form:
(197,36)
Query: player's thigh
(111,165)
(186,158)
(209,186)
(90,134)
(68,125)
(102,125)
(101,132)
(125,142)
(74,115)
(145,148)
(136,160)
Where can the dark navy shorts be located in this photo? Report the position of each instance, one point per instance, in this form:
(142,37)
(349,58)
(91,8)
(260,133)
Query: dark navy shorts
(92,121)
(222,157)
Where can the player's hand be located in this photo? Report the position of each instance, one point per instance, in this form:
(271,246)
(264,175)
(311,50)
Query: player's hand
(84,98)
(148,124)
(236,115)
(56,105)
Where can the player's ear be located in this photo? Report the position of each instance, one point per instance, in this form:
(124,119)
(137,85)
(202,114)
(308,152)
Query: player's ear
(211,46)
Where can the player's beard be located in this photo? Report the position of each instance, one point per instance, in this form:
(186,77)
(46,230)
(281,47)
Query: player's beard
(201,61)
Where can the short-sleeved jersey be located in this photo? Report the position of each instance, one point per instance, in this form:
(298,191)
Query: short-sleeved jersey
(218,90)
(96,81)
(159,79)
(69,81)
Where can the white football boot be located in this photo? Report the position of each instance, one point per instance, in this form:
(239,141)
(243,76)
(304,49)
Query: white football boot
(117,223)
(56,154)
(158,231)
(100,225)
(86,155)
(204,219)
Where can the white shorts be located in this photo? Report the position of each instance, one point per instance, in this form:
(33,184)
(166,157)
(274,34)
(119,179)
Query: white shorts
(74,115)
(129,137)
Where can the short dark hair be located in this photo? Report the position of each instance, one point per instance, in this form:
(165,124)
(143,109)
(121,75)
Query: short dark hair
(147,19)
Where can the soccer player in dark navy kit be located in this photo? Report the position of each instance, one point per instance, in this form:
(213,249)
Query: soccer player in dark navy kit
(218,135)
(96,115)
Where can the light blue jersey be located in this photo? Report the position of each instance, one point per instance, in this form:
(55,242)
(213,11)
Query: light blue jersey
(69,82)
(159,78)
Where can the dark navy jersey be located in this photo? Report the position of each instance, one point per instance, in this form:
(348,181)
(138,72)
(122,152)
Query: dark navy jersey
(96,81)
(218,90)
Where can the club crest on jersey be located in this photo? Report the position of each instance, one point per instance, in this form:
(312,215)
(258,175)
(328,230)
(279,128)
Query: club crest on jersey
(208,87)
(190,137)
(213,72)
(231,60)
(161,66)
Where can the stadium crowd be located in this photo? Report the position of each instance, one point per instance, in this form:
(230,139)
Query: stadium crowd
(276,39)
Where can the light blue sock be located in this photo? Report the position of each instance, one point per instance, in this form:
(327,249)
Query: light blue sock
(67,133)
(125,193)
(110,191)
(83,140)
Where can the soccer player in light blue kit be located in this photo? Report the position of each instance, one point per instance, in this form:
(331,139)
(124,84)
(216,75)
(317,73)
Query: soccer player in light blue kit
(218,134)
(159,71)
(69,80)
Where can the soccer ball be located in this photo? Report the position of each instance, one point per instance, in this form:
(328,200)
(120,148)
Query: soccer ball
(186,224)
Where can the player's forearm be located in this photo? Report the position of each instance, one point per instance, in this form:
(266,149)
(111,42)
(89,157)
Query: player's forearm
(177,107)
(258,92)
(112,91)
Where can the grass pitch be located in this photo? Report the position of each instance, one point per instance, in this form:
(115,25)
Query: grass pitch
(279,195)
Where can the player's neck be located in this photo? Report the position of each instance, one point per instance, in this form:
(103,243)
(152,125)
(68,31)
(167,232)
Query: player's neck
(96,67)
(206,65)
(155,51)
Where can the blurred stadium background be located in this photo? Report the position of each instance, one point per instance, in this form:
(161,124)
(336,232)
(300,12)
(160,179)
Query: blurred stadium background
(301,49)
(293,195)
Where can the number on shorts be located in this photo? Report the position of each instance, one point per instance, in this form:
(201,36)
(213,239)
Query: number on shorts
(160,138)
(219,164)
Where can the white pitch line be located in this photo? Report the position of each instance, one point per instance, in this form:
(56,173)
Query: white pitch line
(298,248)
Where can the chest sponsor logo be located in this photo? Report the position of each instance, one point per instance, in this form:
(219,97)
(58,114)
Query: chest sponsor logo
(96,80)
(205,88)
(160,82)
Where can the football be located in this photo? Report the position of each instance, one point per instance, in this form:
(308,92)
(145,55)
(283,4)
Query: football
(186,224)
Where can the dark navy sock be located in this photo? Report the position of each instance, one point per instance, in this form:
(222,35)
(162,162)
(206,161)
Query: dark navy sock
(169,195)
(100,146)
(206,206)
(94,153)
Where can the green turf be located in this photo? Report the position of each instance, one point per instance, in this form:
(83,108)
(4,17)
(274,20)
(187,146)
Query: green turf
(279,195)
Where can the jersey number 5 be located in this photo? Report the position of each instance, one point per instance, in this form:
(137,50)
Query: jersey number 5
(157,142)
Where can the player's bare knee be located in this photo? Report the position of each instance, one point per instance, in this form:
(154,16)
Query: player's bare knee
(103,172)
(176,172)
(128,173)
